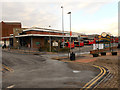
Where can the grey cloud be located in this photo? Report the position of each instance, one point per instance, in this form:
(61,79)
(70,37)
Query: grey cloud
(40,14)
(46,13)
(0,11)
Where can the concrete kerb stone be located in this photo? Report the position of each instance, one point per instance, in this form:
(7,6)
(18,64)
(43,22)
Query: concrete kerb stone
(27,51)
(86,59)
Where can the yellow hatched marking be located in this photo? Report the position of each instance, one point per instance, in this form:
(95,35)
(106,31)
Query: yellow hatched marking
(9,69)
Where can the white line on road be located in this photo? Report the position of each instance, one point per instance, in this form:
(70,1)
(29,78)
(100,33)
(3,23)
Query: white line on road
(11,86)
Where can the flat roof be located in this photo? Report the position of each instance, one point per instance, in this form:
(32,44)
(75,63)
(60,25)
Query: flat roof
(44,35)
(44,30)
(11,22)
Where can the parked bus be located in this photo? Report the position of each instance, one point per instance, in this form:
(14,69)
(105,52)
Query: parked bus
(67,44)
(89,42)
(114,40)
(76,43)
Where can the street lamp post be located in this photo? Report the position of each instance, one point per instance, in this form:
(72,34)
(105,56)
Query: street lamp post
(79,43)
(112,42)
(49,40)
(98,44)
(63,24)
(70,30)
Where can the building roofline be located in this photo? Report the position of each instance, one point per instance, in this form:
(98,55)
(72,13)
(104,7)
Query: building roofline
(44,30)
(44,35)
(11,22)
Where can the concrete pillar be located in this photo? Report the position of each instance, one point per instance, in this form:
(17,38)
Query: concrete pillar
(31,42)
(16,41)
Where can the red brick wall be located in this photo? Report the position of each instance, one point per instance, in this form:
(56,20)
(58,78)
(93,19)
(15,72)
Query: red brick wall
(0,29)
(7,28)
(38,39)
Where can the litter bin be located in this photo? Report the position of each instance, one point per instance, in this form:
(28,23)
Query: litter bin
(95,55)
(72,56)
(118,46)
(114,53)
(103,53)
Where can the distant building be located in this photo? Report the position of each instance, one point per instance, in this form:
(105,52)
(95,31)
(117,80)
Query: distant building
(7,30)
(16,36)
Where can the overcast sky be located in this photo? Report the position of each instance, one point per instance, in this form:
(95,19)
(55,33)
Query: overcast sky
(88,16)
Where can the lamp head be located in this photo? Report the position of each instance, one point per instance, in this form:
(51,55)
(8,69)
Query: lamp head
(69,13)
(61,6)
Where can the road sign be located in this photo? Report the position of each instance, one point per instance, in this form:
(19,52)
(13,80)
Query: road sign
(97,46)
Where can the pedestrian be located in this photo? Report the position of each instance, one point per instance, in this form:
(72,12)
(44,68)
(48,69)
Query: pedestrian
(2,45)
(9,47)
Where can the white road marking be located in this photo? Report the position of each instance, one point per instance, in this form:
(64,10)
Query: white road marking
(11,86)
(76,71)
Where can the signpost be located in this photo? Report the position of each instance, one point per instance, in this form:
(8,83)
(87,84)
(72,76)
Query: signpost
(97,46)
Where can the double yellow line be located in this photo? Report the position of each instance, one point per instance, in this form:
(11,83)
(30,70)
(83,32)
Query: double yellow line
(7,68)
(94,80)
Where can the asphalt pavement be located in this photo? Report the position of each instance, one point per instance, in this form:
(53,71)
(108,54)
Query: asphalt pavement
(40,71)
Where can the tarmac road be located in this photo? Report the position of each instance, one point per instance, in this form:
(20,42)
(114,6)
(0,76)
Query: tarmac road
(36,71)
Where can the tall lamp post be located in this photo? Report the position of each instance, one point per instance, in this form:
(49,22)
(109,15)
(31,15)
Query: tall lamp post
(110,40)
(70,30)
(79,42)
(49,40)
(63,24)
